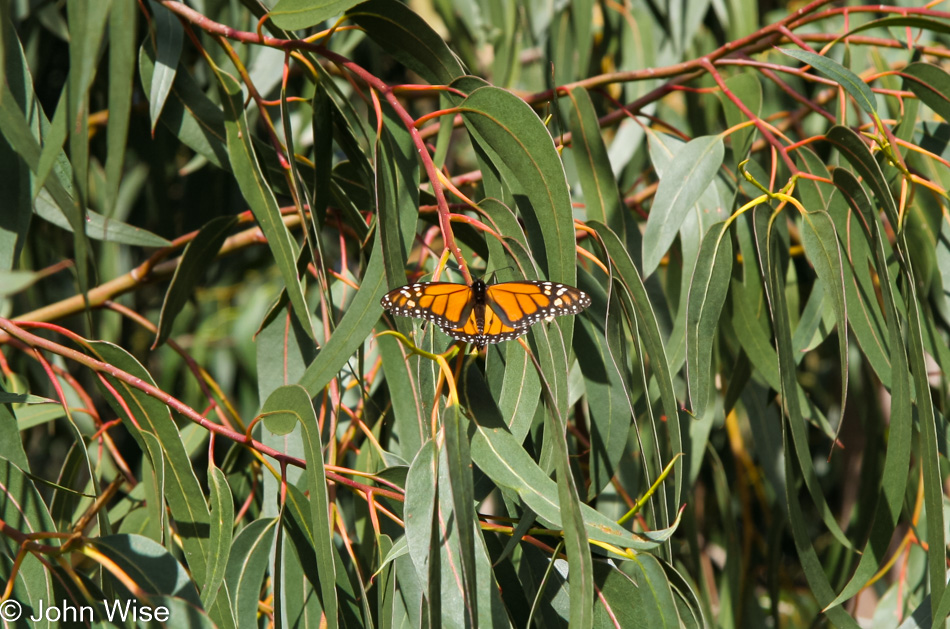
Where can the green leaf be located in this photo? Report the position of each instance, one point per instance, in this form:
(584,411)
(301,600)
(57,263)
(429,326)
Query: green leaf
(13,282)
(913,21)
(693,169)
(295,15)
(122,38)
(601,195)
(222,526)
(408,38)
(421,501)
(610,415)
(810,562)
(86,29)
(154,477)
(149,565)
(22,124)
(931,474)
(408,410)
(397,195)
(458,456)
(260,197)
(853,149)
(821,247)
(864,315)
(774,275)
(22,508)
(182,491)
(649,330)
(191,116)
(11,444)
(294,400)
(889,501)
(931,84)
(198,256)
(656,596)
(357,323)
(504,124)
(707,293)
(247,564)
(15,185)
(844,77)
(97,226)
(619,603)
(510,467)
(168,40)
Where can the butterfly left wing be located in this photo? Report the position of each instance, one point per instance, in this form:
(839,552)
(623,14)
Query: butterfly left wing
(446,304)
(522,304)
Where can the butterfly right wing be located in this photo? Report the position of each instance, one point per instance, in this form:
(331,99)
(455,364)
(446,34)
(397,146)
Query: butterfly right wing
(495,330)
(446,304)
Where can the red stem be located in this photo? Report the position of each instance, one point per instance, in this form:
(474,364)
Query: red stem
(98,366)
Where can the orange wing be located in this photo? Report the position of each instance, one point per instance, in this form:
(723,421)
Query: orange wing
(522,304)
(508,310)
(493,329)
(446,304)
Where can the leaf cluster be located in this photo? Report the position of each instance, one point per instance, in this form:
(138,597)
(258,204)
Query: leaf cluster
(203,407)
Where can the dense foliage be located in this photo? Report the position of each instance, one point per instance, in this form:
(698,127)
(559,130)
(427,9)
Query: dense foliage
(204,408)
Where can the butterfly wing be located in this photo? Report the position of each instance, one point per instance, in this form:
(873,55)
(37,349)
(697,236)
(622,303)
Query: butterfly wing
(509,308)
(522,304)
(446,304)
(494,330)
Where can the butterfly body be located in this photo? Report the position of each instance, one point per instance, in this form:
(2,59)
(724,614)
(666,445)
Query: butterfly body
(485,313)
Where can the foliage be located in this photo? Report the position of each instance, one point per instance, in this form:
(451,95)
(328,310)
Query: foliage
(203,407)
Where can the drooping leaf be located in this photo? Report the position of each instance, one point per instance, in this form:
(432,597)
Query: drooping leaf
(707,294)
(844,77)
(169,36)
(247,564)
(692,170)
(406,36)
(198,255)
(931,84)
(294,400)
(821,246)
(260,197)
(505,124)
(295,15)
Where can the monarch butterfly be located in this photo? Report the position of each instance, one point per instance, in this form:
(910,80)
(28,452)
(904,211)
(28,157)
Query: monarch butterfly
(485,313)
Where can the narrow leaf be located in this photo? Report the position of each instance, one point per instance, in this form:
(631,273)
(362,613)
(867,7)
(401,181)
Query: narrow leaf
(407,37)
(195,261)
(357,323)
(260,197)
(295,400)
(691,172)
(295,15)
(247,564)
(931,84)
(168,39)
(601,195)
(707,293)
(844,77)
(221,535)
(821,246)
(507,126)
(854,150)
